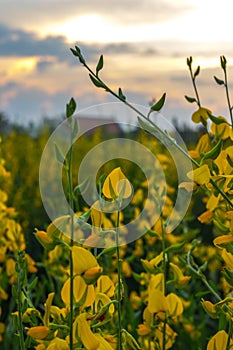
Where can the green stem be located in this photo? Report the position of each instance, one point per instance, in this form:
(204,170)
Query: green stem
(20,321)
(194,86)
(166,136)
(164,280)
(228,96)
(119,286)
(71,210)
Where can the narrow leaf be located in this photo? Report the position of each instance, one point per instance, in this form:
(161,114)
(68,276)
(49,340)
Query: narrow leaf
(214,152)
(59,155)
(121,95)
(159,104)
(100,64)
(197,72)
(190,99)
(70,108)
(96,82)
(218,81)
(216,120)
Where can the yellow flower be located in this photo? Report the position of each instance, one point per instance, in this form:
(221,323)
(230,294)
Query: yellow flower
(58,344)
(174,305)
(223,241)
(88,338)
(45,240)
(84,294)
(157,301)
(222,130)
(38,332)
(201,115)
(82,260)
(105,285)
(116,185)
(180,279)
(143,330)
(228,258)
(206,217)
(92,274)
(218,341)
(200,175)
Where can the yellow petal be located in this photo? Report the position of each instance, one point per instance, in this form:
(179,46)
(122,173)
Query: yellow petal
(218,341)
(228,258)
(157,301)
(82,260)
(105,285)
(88,338)
(174,303)
(58,344)
(116,184)
(201,115)
(222,241)
(38,332)
(47,305)
(200,175)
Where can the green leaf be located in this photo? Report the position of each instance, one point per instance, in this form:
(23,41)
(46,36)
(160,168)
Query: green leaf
(33,284)
(96,82)
(121,95)
(216,120)
(100,64)
(175,247)
(145,126)
(214,152)
(159,104)
(197,72)
(59,155)
(218,81)
(82,187)
(77,53)
(190,99)
(189,61)
(223,62)
(70,108)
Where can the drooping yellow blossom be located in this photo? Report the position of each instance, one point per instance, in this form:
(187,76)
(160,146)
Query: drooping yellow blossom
(179,277)
(116,184)
(206,217)
(228,258)
(88,338)
(84,294)
(143,330)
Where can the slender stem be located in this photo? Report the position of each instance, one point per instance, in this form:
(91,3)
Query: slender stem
(228,97)
(164,280)
(119,286)
(20,321)
(71,210)
(194,86)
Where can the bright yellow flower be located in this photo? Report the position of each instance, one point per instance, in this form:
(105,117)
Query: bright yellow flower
(143,330)
(206,217)
(91,275)
(200,175)
(116,184)
(228,258)
(157,301)
(201,115)
(174,304)
(38,332)
(105,285)
(223,241)
(218,341)
(58,344)
(180,279)
(88,338)
(82,260)
(222,130)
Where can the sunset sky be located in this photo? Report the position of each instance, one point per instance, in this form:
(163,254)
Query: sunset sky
(145,45)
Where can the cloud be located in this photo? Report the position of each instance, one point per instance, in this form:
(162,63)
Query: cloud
(29,14)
